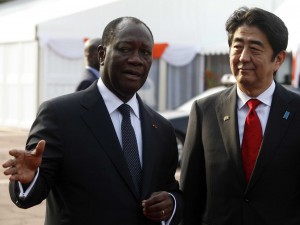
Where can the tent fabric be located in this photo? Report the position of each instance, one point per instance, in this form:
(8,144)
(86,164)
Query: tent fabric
(189,22)
(179,55)
(19,19)
(67,48)
(175,55)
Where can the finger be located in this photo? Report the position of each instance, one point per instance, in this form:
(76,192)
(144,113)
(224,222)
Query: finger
(10,171)
(8,163)
(15,153)
(155,193)
(14,177)
(153,210)
(161,209)
(39,149)
(160,215)
(154,198)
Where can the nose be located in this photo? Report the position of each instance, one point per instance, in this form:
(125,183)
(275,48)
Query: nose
(245,55)
(135,58)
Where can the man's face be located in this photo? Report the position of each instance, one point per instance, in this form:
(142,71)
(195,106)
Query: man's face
(127,60)
(251,60)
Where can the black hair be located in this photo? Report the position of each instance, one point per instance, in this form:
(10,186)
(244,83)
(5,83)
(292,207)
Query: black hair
(109,32)
(268,23)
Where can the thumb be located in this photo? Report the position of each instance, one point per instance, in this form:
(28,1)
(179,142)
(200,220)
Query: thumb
(39,149)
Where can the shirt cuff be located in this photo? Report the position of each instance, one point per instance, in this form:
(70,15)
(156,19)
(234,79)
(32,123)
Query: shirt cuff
(23,194)
(174,210)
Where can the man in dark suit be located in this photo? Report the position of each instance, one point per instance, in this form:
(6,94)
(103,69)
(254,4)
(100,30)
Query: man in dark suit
(220,185)
(77,162)
(91,71)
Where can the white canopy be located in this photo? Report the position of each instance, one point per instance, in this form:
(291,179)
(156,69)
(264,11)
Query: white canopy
(191,22)
(20,18)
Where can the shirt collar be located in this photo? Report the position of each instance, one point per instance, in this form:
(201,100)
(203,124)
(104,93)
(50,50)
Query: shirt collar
(112,102)
(265,97)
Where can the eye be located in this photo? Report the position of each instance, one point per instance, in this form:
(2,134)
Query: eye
(255,49)
(146,52)
(124,49)
(237,48)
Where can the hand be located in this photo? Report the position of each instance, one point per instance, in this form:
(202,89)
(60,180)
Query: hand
(159,206)
(24,164)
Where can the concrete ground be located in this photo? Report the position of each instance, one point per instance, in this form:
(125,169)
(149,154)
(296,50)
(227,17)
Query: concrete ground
(9,213)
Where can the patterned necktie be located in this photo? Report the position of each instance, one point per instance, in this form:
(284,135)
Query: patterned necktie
(252,139)
(130,148)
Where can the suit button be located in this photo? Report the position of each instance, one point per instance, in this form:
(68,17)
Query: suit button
(246,200)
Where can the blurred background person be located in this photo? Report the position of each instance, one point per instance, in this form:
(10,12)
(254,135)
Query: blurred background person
(91,72)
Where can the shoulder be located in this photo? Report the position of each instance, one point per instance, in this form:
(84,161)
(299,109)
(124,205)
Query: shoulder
(150,114)
(74,99)
(221,97)
(84,84)
(287,95)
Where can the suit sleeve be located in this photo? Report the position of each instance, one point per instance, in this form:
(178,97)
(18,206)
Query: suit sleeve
(44,127)
(172,185)
(192,179)
(176,192)
(164,172)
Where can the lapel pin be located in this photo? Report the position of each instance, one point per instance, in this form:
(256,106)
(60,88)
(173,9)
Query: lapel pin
(226,118)
(154,125)
(286,115)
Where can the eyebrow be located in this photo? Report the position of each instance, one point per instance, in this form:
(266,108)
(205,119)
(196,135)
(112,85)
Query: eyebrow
(256,42)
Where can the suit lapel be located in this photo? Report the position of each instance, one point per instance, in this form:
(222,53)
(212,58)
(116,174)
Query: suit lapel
(278,123)
(226,110)
(150,148)
(99,122)
(276,128)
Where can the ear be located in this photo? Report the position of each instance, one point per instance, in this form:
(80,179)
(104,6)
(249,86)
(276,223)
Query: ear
(279,59)
(101,54)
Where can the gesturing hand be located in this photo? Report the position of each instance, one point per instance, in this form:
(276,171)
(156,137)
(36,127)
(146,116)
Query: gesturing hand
(24,164)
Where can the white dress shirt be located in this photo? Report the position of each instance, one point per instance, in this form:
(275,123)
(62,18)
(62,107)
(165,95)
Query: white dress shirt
(262,109)
(112,103)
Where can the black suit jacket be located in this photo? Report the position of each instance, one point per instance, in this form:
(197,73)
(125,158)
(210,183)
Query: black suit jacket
(88,77)
(84,175)
(212,178)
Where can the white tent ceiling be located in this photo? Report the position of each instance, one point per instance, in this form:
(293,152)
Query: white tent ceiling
(189,22)
(19,18)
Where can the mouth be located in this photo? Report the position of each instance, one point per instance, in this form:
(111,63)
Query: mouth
(132,73)
(245,67)
(244,70)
